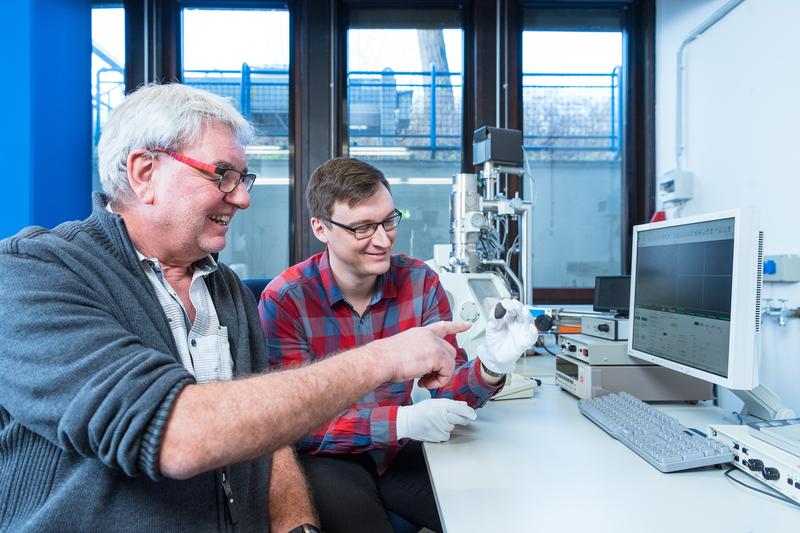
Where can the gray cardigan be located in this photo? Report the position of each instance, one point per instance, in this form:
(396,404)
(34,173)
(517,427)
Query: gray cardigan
(88,375)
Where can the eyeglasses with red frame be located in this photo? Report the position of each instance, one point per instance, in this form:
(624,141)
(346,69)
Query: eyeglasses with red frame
(227,178)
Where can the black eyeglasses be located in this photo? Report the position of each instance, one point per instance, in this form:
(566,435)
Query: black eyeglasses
(228,178)
(365,231)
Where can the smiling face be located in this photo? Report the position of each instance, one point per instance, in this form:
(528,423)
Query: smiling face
(350,258)
(189,215)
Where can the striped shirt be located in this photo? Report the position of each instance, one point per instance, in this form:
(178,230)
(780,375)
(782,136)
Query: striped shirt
(305,318)
(203,345)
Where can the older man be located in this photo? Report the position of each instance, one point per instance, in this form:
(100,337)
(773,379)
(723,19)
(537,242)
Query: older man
(121,335)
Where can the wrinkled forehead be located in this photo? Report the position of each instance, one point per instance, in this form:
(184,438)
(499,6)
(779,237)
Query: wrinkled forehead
(218,144)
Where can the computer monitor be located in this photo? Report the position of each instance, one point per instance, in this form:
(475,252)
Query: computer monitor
(695,296)
(612,294)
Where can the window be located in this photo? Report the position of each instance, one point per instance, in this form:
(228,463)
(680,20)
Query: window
(244,54)
(108,72)
(572,127)
(404,101)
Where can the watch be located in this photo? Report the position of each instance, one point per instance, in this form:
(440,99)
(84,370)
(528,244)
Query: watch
(306,528)
(491,372)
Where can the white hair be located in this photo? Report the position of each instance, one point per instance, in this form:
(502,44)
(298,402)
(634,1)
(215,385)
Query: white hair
(168,116)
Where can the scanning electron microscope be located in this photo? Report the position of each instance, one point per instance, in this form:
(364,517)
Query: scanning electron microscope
(475,268)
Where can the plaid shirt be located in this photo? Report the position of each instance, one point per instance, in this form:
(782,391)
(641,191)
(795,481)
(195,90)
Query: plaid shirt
(306,318)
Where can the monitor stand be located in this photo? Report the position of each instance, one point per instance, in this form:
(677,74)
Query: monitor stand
(762,403)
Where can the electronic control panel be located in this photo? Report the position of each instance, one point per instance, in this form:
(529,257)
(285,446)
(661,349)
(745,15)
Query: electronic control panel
(648,383)
(606,327)
(597,351)
(765,462)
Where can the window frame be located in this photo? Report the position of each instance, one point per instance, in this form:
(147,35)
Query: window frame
(492,30)
(638,147)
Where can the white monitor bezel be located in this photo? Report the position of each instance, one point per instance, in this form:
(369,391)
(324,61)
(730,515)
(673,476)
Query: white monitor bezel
(743,350)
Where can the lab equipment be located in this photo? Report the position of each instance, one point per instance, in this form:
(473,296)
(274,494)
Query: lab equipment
(772,465)
(516,387)
(475,267)
(696,302)
(597,351)
(650,383)
(606,327)
(612,294)
(657,437)
(784,434)
(688,275)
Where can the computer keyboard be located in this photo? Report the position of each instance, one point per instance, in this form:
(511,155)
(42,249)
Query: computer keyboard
(660,439)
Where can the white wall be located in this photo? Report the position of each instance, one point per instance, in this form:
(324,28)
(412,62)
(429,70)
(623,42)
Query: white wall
(742,137)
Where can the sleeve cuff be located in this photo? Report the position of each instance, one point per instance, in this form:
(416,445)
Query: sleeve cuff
(383,425)
(151,440)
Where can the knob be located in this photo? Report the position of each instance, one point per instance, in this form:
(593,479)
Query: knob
(572,348)
(770,473)
(543,323)
(755,464)
(603,327)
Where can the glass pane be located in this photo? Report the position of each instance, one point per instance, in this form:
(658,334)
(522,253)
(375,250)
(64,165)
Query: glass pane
(108,72)
(404,97)
(572,118)
(244,54)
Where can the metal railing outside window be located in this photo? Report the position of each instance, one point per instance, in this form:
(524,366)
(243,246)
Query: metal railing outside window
(417,115)
(574,117)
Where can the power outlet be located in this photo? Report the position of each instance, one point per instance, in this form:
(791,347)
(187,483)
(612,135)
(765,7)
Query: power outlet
(784,268)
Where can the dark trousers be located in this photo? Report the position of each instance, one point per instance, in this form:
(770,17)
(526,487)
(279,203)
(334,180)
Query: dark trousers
(351,497)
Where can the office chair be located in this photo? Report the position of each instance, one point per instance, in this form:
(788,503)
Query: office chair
(400,524)
(256,286)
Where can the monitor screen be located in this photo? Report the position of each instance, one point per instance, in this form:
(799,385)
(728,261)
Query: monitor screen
(695,292)
(612,294)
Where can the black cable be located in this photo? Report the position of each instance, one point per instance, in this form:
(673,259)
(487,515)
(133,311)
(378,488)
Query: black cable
(540,343)
(546,349)
(777,496)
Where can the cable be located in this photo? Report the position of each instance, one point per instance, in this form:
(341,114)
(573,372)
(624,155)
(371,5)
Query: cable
(777,496)
(546,349)
(540,343)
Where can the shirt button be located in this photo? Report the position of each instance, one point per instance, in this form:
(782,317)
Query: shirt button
(194,342)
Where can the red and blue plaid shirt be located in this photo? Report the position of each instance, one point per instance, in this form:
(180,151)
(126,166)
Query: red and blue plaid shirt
(306,318)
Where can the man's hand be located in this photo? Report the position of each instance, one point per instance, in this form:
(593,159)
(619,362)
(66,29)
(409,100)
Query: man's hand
(432,420)
(422,351)
(508,336)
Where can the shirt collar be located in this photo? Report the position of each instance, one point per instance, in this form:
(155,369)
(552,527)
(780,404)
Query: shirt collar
(203,267)
(385,283)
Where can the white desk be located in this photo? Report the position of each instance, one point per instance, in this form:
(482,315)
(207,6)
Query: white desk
(552,469)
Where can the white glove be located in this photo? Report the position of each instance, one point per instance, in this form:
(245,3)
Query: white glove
(432,420)
(507,337)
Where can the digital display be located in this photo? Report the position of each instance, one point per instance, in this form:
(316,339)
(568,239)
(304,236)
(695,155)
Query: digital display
(682,302)
(612,293)
(568,368)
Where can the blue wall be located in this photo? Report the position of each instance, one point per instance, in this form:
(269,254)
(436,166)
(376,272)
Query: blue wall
(45,146)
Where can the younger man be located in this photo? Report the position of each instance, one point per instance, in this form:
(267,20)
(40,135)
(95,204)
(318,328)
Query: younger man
(368,459)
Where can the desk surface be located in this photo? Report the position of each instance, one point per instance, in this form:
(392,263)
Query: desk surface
(553,469)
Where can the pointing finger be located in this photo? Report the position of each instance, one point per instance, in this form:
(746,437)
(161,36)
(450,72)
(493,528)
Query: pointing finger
(444,328)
